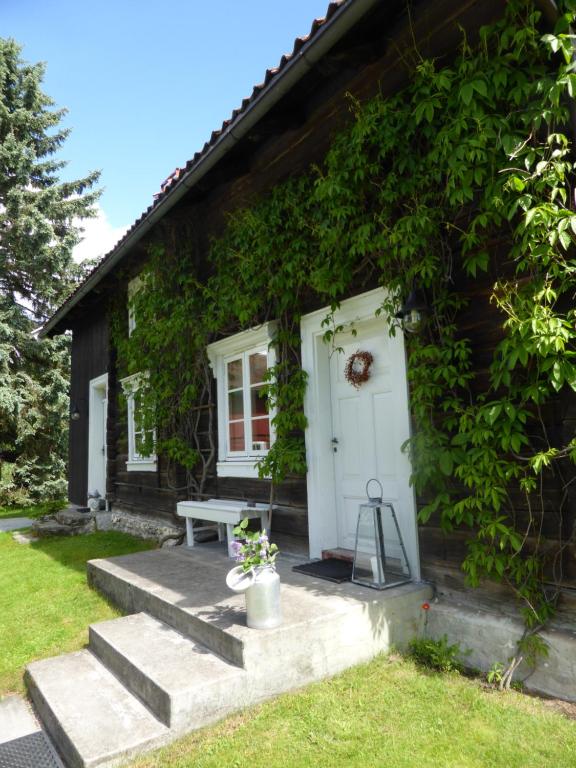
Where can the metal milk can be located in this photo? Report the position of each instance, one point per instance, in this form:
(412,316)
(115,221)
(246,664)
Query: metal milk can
(263,610)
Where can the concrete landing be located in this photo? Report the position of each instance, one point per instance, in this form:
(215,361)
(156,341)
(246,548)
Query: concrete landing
(327,627)
(184,656)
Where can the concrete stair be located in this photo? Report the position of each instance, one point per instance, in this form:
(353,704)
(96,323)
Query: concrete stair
(181,681)
(183,657)
(92,718)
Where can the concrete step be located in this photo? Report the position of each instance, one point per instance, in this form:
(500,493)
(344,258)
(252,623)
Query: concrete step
(89,714)
(339,554)
(181,681)
(164,592)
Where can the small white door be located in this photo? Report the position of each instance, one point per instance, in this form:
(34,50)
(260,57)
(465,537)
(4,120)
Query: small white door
(98,410)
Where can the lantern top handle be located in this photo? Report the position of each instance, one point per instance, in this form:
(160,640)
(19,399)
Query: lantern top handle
(377,499)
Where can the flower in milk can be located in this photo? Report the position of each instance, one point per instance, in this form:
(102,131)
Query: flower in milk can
(254,549)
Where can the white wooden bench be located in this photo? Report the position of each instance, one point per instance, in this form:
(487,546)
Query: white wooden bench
(225,512)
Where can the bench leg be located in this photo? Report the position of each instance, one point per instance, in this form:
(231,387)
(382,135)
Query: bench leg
(230,539)
(189,532)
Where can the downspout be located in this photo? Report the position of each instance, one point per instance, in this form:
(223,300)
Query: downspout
(302,62)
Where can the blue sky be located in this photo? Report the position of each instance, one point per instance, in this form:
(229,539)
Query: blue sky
(146,82)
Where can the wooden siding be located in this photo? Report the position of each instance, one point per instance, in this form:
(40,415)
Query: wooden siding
(90,345)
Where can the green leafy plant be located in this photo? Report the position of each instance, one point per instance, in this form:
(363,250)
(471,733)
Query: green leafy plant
(495,673)
(438,655)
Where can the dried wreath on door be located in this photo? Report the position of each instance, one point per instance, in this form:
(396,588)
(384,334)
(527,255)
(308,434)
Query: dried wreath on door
(357,370)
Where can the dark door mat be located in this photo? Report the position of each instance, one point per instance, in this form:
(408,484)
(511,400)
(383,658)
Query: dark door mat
(331,569)
(32,751)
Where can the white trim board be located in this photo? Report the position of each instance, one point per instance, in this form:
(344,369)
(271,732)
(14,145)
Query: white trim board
(321,483)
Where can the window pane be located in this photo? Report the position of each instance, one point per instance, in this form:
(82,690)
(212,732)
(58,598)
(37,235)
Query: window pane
(258,366)
(235,405)
(143,444)
(141,413)
(258,401)
(260,434)
(236,435)
(234,374)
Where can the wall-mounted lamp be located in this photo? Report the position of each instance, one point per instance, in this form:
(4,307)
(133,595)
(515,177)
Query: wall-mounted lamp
(78,408)
(412,312)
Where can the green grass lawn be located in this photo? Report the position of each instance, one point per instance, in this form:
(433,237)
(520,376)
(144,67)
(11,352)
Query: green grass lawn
(386,714)
(45,603)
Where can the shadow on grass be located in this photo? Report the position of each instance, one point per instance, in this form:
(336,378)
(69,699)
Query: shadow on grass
(74,551)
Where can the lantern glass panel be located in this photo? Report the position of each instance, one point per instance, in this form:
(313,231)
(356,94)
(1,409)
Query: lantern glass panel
(380,558)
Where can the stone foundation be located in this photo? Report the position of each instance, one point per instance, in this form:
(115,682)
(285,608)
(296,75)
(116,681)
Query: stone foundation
(144,527)
(491,637)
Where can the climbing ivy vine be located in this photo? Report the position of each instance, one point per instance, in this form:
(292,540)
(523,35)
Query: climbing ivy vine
(460,184)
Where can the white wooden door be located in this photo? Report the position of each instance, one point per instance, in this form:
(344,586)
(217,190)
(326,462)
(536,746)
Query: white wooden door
(98,410)
(369,426)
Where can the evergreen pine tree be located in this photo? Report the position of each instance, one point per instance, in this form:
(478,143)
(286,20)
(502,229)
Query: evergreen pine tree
(39,217)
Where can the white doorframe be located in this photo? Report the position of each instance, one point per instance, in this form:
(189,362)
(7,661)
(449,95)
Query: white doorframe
(322,522)
(97,416)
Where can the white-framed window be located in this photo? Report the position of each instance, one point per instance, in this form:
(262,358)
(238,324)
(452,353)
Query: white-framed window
(133,287)
(141,436)
(245,431)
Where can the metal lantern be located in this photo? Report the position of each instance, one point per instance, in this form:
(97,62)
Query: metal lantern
(380,558)
(412,312)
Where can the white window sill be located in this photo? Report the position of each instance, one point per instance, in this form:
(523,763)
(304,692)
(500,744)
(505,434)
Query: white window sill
(142,466)
(237,468)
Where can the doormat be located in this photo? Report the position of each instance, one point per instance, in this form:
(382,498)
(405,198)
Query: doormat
(27,751)
(331,569)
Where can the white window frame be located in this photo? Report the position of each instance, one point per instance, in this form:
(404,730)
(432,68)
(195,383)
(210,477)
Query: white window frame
(220,353)
(136,463)
(133,287)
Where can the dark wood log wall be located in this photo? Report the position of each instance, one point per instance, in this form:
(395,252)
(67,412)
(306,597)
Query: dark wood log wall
(295,136)
(90,350)
(145,493)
